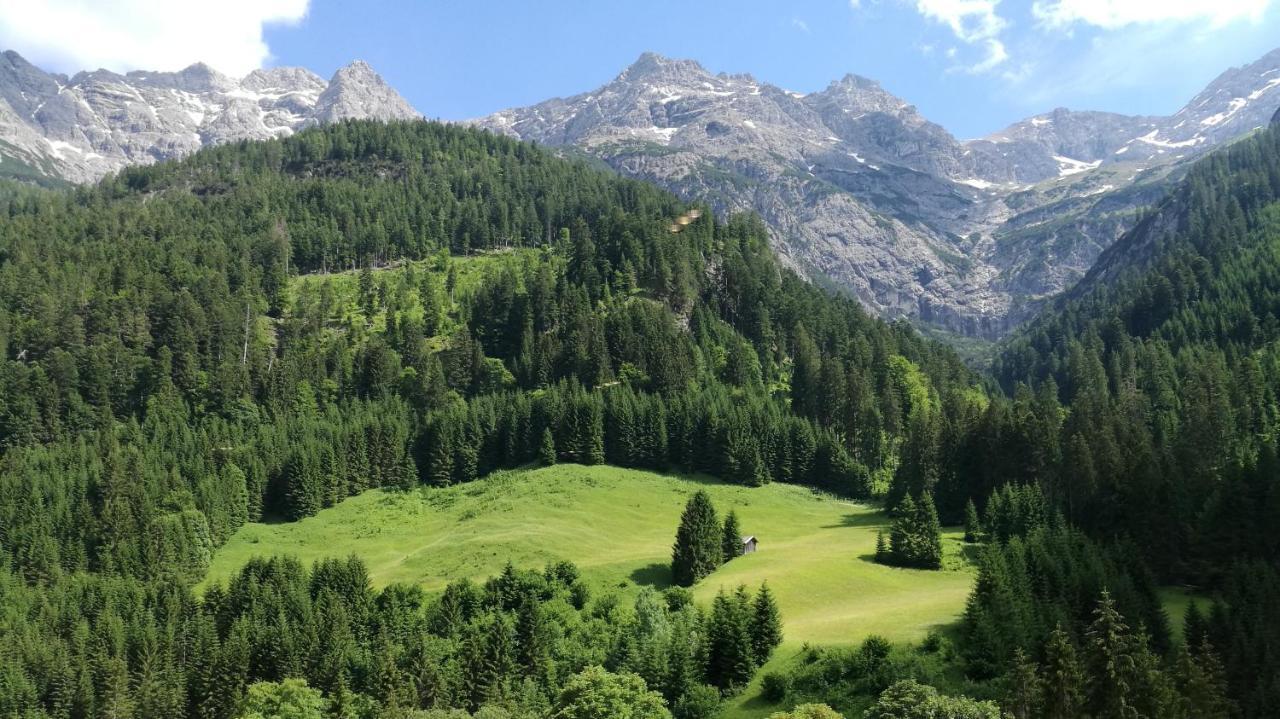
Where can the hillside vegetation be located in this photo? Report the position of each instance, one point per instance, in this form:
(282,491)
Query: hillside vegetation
(617,526)
(263,330)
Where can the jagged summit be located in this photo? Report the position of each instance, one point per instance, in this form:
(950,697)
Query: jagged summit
(651,65)
(99,121)
(357,92)
(859,187)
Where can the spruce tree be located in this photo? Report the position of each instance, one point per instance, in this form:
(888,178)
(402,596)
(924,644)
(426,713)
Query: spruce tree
(882,548)
(972,527)
(766,625)
(1063,678)
(1200,684)
(902,532)
(698,550)
(732,536)
(729,655)
(547,449)
(1112,665)
(928,534)
(1022,698)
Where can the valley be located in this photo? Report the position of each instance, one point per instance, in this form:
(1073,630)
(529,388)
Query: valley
(329,412)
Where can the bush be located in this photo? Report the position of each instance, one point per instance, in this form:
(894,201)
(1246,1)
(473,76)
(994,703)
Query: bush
(775,687)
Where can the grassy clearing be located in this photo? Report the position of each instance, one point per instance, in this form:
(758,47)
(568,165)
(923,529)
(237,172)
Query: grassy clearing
(1175,601)
(617,525)
(344,286)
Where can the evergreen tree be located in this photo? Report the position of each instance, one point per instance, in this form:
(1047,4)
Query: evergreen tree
(698,549)
(732,536)
(1023,696)
(1063,677)
(547,448)
(928,531)
(730,662)
(1112,664)
(972,526)
(766,625)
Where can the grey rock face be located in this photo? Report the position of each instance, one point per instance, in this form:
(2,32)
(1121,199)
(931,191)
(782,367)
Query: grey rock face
(97,122)
(858,187)
(356,92)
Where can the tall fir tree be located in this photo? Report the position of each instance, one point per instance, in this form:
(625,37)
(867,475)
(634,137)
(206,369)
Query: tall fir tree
(698,550)
(732,536)
(972,526)
(766,625)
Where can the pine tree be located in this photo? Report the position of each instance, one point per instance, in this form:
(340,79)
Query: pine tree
(882,548)
(1063,677)
(1112,666)
(732,536)
(729,654)
(766,625)
(1201,683)
(547,449)
(698,550)
(902,532)
(928,534)
(972,527)
(1022,699)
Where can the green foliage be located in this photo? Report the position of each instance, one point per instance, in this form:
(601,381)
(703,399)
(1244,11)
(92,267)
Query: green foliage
(547,449)
(731,536)
(911,700)
(287,699)
(972,525)
(808,711)
(915,539)
(595,692)
(698,549)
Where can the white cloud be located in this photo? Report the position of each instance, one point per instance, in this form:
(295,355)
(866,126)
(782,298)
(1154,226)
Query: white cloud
(799,24)
(1112,14)
(71,35)
(974,22)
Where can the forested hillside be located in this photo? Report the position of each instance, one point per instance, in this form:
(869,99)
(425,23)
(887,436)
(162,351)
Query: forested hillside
(264,329)
(1166,361)
(1134,445)
(169,374)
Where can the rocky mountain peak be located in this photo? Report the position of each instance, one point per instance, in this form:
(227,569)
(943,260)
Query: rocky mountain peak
(858,95)
(652,67)
(356,91)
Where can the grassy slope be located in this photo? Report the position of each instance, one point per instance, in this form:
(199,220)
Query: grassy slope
(618,525)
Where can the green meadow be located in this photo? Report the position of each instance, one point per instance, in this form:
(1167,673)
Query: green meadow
(617,525)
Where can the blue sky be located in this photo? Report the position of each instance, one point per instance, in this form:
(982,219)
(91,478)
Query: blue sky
(974,66)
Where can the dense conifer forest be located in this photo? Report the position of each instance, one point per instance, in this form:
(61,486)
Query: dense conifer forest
(169,374)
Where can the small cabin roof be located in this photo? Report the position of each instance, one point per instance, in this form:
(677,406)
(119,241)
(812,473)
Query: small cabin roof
(749,539)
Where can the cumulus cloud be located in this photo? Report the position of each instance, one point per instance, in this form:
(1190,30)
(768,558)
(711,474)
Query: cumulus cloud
(1113,14)
(974,22)
(120,35)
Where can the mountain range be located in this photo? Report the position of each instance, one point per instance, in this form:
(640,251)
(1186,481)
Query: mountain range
(859,190)
(82,127)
